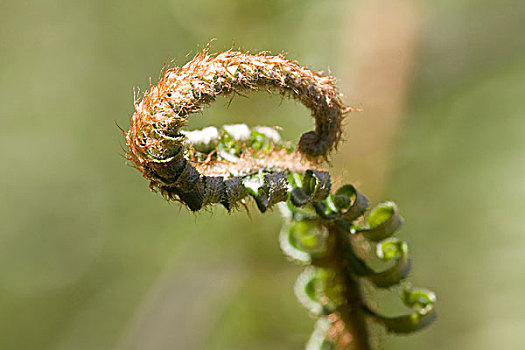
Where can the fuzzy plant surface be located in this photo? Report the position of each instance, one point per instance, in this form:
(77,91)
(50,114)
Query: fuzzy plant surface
(329,231)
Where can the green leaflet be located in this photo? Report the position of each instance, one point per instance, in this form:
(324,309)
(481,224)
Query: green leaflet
(316,290)
(421,301)
(382,222)
(388,250)
(304,241)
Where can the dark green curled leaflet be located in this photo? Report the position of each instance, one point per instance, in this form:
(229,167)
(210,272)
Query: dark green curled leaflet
(326,230)
(313,187)
(344,206)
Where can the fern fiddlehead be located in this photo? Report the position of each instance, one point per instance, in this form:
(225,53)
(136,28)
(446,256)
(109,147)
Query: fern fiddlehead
(323,228)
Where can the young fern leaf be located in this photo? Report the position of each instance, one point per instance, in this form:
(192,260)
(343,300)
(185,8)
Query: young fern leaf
(227,165)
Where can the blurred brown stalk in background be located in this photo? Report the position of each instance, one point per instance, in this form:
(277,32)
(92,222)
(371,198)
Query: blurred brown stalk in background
(378,62)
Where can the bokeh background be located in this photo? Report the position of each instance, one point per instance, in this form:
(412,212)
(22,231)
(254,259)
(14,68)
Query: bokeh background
(90,259)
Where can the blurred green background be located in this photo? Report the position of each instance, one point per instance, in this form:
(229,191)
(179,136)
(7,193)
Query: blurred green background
(90,259)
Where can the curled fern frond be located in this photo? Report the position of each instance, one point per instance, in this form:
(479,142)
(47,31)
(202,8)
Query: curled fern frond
(156,144)
(324,229)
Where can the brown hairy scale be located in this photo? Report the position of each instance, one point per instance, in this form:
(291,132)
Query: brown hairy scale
(251,162)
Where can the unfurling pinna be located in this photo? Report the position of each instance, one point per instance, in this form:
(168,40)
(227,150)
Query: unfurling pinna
(325,229)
